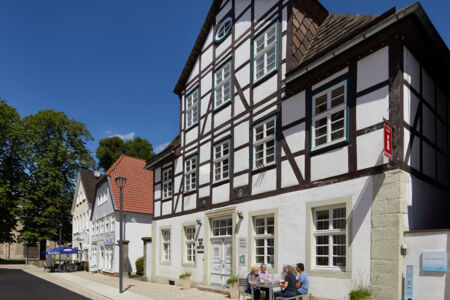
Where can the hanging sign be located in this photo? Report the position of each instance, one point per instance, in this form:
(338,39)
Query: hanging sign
(388,152)
(109,241)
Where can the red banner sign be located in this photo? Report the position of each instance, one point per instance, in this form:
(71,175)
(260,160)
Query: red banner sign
(388,152)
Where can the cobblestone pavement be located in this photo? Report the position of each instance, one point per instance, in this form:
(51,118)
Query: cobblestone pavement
(101,287)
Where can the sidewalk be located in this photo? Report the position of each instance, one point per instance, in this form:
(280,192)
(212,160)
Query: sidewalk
(97,286)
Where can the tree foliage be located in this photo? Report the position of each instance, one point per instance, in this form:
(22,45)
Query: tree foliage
(54,150)
(110,149)
(11,169)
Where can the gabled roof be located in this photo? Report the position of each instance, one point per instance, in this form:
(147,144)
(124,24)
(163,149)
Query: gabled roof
(168,151)
(197,49)
(88,180)
(138,191)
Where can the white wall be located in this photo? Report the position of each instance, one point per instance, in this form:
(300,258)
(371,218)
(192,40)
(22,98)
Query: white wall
(428,285)
(291,234)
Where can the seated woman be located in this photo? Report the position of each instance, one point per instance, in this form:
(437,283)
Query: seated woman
(288,284)
(252,283)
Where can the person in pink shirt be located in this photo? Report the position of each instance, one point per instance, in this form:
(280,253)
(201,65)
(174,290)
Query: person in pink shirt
(264,276)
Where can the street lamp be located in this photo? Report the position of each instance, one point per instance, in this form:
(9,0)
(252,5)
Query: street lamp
(121,181)
(59,265)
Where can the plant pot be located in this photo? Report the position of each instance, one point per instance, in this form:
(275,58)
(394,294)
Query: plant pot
(186,283)
(234,290)
(365,298)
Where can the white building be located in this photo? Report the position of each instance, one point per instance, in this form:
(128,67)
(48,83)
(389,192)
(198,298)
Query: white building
(137,207)
(280,155)
(81,212)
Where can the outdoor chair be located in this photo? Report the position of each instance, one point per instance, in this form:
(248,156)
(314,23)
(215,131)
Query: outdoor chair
(241,283)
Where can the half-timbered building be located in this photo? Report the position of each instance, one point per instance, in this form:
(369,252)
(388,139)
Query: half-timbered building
(281,158)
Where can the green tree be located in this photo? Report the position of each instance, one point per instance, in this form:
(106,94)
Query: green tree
(11,169)
(55,149)
(110,149)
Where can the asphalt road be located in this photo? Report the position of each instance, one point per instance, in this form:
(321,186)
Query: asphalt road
(19,285)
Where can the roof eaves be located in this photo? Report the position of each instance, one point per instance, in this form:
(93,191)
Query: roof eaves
(196,50)
(376,27)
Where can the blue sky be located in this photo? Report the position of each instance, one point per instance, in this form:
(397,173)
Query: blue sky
(113,64)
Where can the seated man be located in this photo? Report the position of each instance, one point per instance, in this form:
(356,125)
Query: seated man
(252,283)
(264,276)
(303,280)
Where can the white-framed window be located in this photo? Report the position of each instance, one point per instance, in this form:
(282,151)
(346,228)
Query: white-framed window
(221,161)
(329,233)
(265,46)
(329,116)
(191,109)
(167,183)
(264,142)
(189,241)
(222,85)
(190,174)
(97,229)
(222,227)
(264,240)
(165,235)
(101,226)
(223,29)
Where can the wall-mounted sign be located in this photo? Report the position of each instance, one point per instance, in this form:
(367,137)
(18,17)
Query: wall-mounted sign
(109,241)
(434,261)
(409,282)
(388,152)
(242,245)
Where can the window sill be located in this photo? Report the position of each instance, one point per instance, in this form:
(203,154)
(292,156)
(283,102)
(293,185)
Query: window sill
(329,273)
(168,198)
(265,77)
(222,106)
(218,183)
(189,265)
(264,168)
(190,192)
(329,147)
(166,263)
(190,127)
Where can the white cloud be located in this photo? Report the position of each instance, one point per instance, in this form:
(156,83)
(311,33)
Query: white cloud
(108,132)
(126,136)
(161,147)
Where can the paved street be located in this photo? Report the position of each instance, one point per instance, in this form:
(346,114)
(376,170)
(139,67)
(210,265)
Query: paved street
(16,284)
(19,282)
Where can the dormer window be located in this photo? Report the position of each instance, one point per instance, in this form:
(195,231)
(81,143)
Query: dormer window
(223,29)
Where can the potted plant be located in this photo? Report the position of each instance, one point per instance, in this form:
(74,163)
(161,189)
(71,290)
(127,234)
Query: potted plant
(234,287)
(363,292)
(186,280)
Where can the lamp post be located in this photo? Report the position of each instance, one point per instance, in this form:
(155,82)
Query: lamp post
(59,265)
(121,181)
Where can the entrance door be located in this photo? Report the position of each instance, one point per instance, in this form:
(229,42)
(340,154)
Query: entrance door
(221,261)
(221,236)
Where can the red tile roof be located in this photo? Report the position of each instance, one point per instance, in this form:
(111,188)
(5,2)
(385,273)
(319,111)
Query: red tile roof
(138,190)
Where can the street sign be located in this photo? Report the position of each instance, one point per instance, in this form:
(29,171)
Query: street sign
(388,152)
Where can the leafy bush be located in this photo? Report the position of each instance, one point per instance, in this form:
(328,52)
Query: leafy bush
(185,275)
(140,266)
(360,293)
(232,279)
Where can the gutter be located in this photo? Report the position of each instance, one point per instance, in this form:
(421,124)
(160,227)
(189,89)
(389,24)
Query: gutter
(412,9)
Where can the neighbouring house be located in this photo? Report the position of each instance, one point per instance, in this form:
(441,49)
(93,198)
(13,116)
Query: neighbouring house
(138,215)
(81,212)
(280,153)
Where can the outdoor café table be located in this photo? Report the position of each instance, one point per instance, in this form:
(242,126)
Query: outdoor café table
(270,286)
